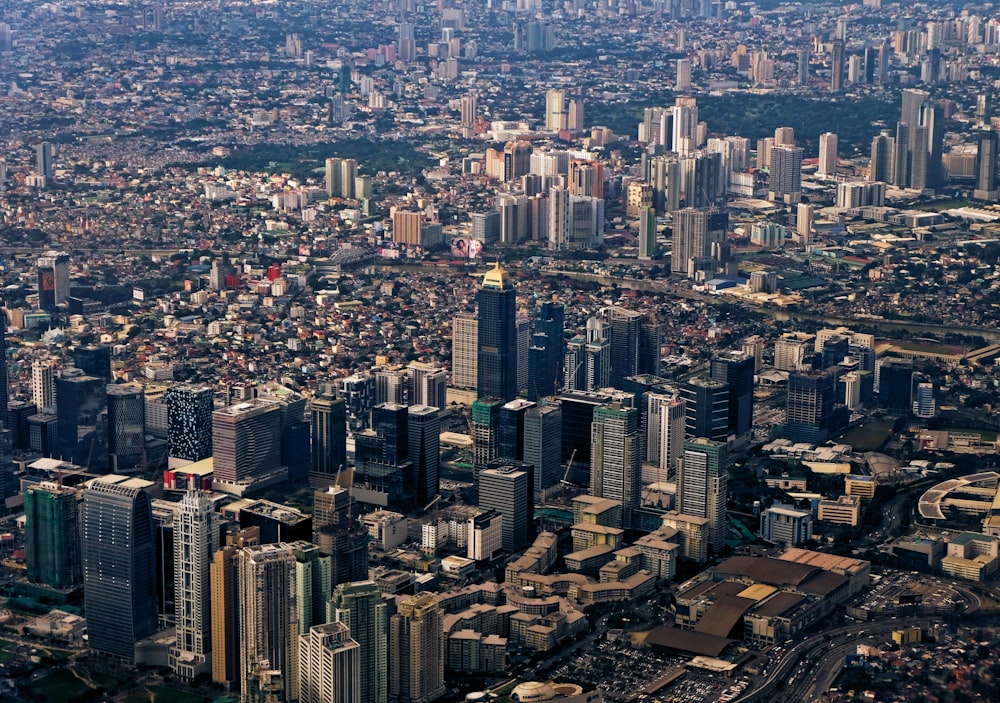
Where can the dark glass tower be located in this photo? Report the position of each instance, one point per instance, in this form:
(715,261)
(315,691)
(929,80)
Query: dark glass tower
(81,418)
(189,422)
(4,389)
(497,353)
(735,369)
(126,426)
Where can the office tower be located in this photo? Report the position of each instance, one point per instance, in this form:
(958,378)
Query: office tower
(615,462)
(707,408)
(391,385)
(497,330)
(543,444)
(348,177)
(786,174)
(923,400)
(920,159)
(895,381)
(901,155)
(267,618)
(329,665)
(932,120)
(577,417)
(782,524)
(784,136)
(417,651)
(126,426)
(336,532)
(913,101)
(81,420)
(360,606)
(52,535)
(882,165)
(736,370)
(754,346)
(803,57)
(4,381)
(984,110)
(647,234)
(574,117)
(694,233)
(333,172)
(18,412)
(117,547)
(827,154)
(246,440)
(683,81)
(555,110)
(406,44)
(329,437)
(702,487)
(685,114)
(508,486)
(510,428)
(428,384)
(837,65)
(313,583)
(986,165)
(53,279)
(189,423)
(43,434)
(666,422)
(516,163)
(485,536)
(94,360)
(546,351)
(358,394)
(811,412)
(43,385)
(465,351)
(635,344)
(485,422)
(196,539)
(225,609)
(468,109)
(424,435)
(43,161)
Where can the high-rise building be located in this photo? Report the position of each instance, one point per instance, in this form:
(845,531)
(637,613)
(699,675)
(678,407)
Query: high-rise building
(224,587)
(827,154)
(53,279)
(329,438)
(43,161)
(4,381)
(52,535)
(786,174)
(337,532)
(94,360)
(736,370)
(545,372)
(507,486)
(497,351)
(923,400)
(81,420)
(782,524)
(577,417)
(702,487)
(986,165)
(895,382)
(118,551)
(485,423)
(43,385)
(882,165)
(811,412)
(313,583)
(18,412)
(615,459)
(635,344)
(837,65)
(126,426)
(267,619)
(246,440)
(695,231)
(707,407)
(360,606)
(189,424)
(423,450)
(683,81)
(555,110)
(666,421)
(542,445)
(196,539)
(329,665)
(428,384)
(417,651)
(465,351)
(647,234)
(510,429)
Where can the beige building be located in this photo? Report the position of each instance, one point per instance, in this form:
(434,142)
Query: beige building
(845,510)
(417,651)
(329,665)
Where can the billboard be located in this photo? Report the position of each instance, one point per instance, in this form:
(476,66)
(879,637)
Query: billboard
(466,248)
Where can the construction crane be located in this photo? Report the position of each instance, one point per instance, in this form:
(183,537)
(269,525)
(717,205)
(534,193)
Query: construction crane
(564,481)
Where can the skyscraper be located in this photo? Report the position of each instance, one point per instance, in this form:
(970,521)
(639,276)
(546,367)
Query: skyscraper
(786,174)
(811,410)
(465,351)
(666,420)
(882,165)
(497,352)
(224,586)
(428,384)
(339,534)
(267,618)
(329,665)
(53,279)
(43,160)
(542,445)
(510,435)
(550,347)
(615,462)
(360,606)
(246,440)
(126,426)
(837,65)
(986,165)
(189,424)
(329,438)
(707,406)
(52,535)
(647,233)
(81,420)
(196,539)
(43,385)
(736,370)
(424,441)
(94,360)
(702,486)
(827,154)
(507,486)
(417,651)
(485,424)
(555,110)
(4,381)
(694,233)
(635,344)
(117,546)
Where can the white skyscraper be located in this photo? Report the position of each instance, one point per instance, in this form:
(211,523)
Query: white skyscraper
(827,154)
(329,665)
(665,418)
(43,385)
(555,110)
(196,537)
